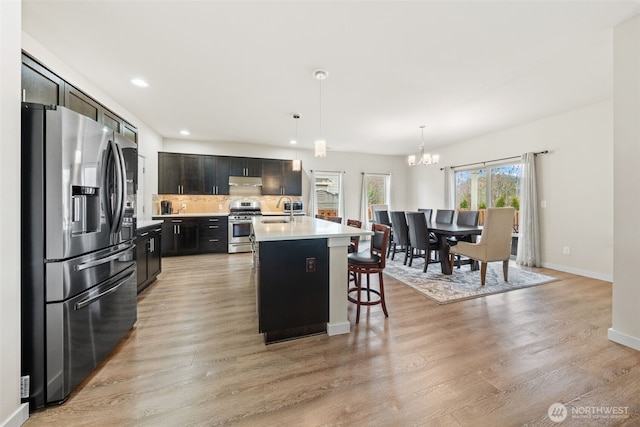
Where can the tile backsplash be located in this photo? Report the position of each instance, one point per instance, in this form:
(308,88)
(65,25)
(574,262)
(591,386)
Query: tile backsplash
(213,204)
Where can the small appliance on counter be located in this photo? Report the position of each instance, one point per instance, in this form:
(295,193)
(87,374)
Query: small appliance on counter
(165,207)
(296,207)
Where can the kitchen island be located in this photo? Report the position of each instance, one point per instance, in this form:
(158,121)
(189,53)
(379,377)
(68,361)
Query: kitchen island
(301,269)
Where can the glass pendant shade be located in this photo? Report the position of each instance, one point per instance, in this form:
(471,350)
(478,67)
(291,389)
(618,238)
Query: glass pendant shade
(321,148)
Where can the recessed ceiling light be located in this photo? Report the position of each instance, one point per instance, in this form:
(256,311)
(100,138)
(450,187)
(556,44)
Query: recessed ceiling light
(184,132)
(293,142)
(139,82)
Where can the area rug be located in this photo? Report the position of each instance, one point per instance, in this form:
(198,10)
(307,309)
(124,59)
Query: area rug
(463,284)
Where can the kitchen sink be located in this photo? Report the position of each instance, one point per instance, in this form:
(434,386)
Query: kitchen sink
(275,221)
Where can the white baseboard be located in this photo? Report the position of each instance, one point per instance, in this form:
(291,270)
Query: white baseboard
(579,272)
(338,328)
(19,417)
(624,339)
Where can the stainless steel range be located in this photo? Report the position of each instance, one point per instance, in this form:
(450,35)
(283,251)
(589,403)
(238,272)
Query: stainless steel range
(240,217)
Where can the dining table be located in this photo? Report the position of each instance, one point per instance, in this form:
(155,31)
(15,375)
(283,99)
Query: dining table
(442,231)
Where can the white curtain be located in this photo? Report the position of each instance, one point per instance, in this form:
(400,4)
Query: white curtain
(313,200)
(364,203)
(529,233)
(449,188)
(341,209)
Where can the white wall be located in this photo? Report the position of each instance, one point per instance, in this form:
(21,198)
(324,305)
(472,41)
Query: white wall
(353,164)
(625,328)
(575,179)
(12,413)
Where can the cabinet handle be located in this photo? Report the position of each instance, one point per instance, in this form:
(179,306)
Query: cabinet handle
(213,219)
(158,230)
(213,226)
(179,228)
(214,240)
(143,234)
(176,220)
(24,95)
(152,245)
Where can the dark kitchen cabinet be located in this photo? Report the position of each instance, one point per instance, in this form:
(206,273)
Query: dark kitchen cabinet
(180,173)
(180,236)
(76,100)
(245,166)
(293,288)
(216,174)
(148,258)
(40,85)
(278,178)
(214,234)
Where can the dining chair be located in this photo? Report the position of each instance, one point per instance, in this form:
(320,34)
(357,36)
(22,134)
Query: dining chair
(420,242)
(337,219)
(371,262)
(494,244)
(400,234)
(427,213)
(355,240)
(381,216)
(464,218)
(445,216)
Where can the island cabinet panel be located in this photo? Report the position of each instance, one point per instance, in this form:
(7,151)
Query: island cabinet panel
(293,294)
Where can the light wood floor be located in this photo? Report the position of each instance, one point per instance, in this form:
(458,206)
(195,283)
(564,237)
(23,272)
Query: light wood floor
(195,358)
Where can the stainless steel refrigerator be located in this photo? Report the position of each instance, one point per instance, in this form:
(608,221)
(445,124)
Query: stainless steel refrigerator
(78,279)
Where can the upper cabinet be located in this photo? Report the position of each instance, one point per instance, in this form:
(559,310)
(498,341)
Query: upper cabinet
(278,178)
(41,86)
(216,174)
(245,166)
(180,173)
(204,174)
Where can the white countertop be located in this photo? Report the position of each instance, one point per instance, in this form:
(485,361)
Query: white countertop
(303,227)
(148,223)
(188,215)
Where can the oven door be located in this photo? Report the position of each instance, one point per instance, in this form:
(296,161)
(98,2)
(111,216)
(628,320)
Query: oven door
(239,236)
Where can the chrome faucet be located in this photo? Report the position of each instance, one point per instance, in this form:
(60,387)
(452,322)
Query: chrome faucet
(290,205)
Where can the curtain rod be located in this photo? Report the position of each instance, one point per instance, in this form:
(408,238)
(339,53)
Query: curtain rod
(495,160)
(376,173)
(311,170)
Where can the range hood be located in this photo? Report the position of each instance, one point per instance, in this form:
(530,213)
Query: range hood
(245,181)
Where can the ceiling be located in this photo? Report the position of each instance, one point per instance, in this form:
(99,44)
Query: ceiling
(237,70)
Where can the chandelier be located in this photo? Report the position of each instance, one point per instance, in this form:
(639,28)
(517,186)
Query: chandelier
(424,158)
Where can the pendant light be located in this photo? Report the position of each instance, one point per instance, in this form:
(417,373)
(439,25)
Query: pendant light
(320,144)
(296,165)
(425,158)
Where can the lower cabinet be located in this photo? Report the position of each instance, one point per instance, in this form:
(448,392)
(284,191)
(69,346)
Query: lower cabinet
(188,236)
(293,288)
(148,258)
(214,234)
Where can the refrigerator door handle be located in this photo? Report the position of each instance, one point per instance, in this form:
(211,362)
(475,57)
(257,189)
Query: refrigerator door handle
(82,304)
(120,187)
(101,261)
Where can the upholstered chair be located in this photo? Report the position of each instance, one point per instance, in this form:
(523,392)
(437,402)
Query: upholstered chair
(494,244)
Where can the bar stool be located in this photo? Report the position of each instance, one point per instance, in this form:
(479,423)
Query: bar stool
(369,263)
(355,240)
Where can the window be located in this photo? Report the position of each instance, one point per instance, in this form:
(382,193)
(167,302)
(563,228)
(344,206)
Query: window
(494,186)
(328,193)
(377,188)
